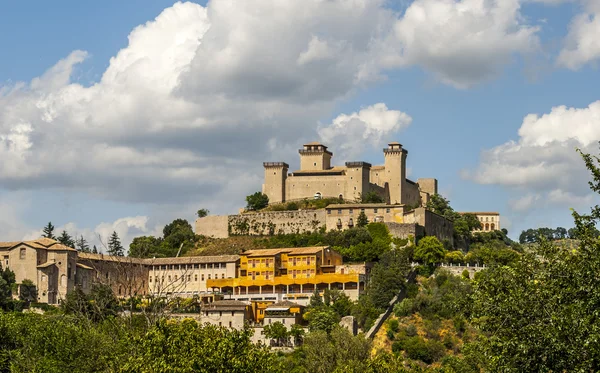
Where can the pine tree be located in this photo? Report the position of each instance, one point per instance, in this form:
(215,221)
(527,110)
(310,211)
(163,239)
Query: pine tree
(114,245)
(66,239)
(82,245)
(362,220)
(49,231)
(95,250)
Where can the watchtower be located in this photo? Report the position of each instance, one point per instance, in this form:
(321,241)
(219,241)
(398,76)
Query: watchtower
(395,170)
(315,156)
(275,178)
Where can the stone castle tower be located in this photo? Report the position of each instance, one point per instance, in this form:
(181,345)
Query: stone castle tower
(318,179)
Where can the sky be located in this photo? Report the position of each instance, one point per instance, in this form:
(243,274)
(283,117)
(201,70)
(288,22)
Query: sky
(124,115)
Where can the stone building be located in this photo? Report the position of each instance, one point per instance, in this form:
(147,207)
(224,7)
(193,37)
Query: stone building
(51,266)
(228,313)
(286,312)
(490,221)
(317,178)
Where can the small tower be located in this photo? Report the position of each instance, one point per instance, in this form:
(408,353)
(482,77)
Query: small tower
(275,177)
(395,170)
(314,156)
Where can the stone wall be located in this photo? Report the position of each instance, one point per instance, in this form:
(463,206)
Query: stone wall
(404,230)
(276,222)
(261,223)
(213,226)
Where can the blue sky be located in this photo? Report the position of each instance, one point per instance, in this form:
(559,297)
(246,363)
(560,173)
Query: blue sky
(201,93)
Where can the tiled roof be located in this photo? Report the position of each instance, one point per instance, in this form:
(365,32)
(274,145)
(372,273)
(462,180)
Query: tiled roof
(283,303)
(40,243)
(45,265)
(289,251)
(193,259)
(83,266)
(226,305)
(307,250)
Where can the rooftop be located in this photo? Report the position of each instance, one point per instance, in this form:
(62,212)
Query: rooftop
(289,251)
(226,305)
(40,243)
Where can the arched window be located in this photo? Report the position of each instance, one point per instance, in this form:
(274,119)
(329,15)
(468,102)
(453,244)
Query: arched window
(22,253)
(493,226)
(317,195)
(341,196)
(487,227)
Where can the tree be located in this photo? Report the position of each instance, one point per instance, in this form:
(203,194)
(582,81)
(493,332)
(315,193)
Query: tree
(114,245)
(177,234)
(145,247)
(257,201)
(441,206)
(321,318)
(362,220)
(7,279)
(540,310)
(27,291)
(430,250)
(278,332)
(297,332)
(371,197)
(49,231)
(82,245)
(94,250)
(202,213)
(315,299)
(465,224)
(66,239)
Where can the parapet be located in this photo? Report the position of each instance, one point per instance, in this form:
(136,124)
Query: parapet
(276,164)
(394,147)
(358,164)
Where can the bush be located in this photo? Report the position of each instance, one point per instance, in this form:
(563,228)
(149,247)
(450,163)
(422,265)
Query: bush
(404,308)
(465,274)
(411,330)
(427,351)
(393,325)
(390,334)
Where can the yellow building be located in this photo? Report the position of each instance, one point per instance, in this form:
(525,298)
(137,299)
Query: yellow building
(289,274)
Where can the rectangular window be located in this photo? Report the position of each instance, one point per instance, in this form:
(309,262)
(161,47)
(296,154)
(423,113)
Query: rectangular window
(223,275)
(196,278)
(223,265)
(350,211)
(209,276)
(375,211)
(202,277)
(150,279)
(189,277)
(328,212)
(387,211)
(202,266)
(339,211)
(196,266)
(22,253)
(362,210)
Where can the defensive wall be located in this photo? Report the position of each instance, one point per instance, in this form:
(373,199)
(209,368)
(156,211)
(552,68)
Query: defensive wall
(416,223)
(261,223)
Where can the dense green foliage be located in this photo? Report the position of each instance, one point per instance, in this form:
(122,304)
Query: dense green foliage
(257,201)
(178,237)
(550,234)
(35,343)
(430,250)
(7,281)
(371,197)
(66,239)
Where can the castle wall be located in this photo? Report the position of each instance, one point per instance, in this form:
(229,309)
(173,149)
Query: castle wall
(300,187)
(410,194)
(276,222)
(405,230)
(213,226)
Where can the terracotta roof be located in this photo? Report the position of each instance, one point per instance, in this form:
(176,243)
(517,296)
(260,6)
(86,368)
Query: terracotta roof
(307,250)
(9,244)
(289,251)
(83,266)
(40,243)
(226,305)
(45,265)
(193,259)
(110,258)
(283,303)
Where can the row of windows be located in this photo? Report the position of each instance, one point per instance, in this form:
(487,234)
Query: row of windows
(254,262)
(303,273)
(266,274)
(351,211)
(189,266)
(183,277)
(306,260)
(487,218)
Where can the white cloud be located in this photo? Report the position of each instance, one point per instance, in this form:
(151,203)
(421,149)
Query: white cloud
(544,160)
(582,44)
(370,127)
(524,203)
(202,95)
(462,42)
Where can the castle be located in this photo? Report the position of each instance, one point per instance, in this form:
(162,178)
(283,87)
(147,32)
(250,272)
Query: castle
(316,178)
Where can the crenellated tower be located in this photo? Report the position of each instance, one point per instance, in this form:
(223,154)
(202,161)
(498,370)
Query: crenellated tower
(275,178)
(314,156)
(395,170)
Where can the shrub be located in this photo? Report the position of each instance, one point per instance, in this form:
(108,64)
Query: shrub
(393,325)
(465,274)
(404,308)
(411,330)
(390,334)
(427,351)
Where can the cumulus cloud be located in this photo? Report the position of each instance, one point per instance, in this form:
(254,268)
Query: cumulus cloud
(200,96)
(544,160)
(523,203)
(462,42)
(582,44)
(371,126)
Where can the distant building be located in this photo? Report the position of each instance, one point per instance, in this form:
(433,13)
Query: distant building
(229,313)
(317,178)
(490,221)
